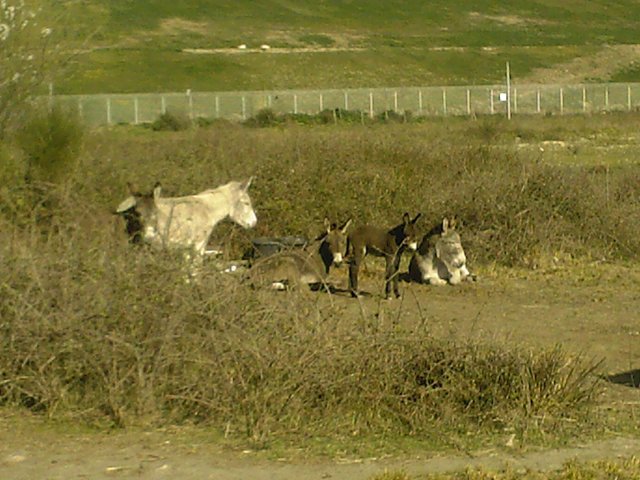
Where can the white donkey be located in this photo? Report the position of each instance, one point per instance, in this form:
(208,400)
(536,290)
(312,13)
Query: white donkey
(440,258)
(187,222)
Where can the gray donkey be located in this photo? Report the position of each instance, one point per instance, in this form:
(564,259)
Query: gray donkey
(387,243)
(309,266)
(440,258)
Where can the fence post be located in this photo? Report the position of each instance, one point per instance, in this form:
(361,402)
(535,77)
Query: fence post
(395,101)
(444,101)
(244,108)
(321,103)
(508,92)
(108,111)
(346,100)
(80,111)
(468,102)
(419,102)
(561,100)
(584,99)
(370,104)
(135,111)
(163,105)
(217,106)
(190,103)
(295,104)
(629,97)
(606,98)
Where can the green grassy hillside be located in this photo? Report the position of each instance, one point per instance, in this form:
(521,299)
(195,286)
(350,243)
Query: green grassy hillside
(140,45)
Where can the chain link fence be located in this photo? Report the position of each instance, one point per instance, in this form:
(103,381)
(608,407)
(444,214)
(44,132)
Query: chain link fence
(108,109)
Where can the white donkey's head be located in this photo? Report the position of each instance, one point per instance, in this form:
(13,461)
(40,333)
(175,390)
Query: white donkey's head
(139,212)
(240,208)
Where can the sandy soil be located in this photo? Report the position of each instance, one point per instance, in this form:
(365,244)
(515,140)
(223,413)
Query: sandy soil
(594,313)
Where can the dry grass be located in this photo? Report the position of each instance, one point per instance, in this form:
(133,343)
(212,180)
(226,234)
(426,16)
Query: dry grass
(621,469)
(95,330)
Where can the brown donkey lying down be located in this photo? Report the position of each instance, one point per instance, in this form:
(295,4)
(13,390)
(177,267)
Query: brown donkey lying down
(309,266)
(387,243)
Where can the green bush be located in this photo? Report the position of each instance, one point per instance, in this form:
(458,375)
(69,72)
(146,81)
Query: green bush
(265,117)
(50,139)
(170,121)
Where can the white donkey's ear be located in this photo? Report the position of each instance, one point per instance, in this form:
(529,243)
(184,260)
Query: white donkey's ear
(127,204)
(327,224)
(157,190)
(445,224)
(245,185)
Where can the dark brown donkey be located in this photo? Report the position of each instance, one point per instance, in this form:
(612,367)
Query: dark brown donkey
(382,243)
(292,268)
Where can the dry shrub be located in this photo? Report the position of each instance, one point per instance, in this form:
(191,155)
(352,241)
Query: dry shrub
(92,328)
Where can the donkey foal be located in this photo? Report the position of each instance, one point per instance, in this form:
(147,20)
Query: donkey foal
(382,243)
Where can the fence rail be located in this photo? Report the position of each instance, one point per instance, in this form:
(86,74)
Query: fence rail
(457,100)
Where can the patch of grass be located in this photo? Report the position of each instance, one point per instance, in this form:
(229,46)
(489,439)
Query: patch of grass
(622,469)
(139,45)
(157,70)
(631,73)
(317,40)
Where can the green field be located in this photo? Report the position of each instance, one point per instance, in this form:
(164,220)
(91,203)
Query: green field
(139,46)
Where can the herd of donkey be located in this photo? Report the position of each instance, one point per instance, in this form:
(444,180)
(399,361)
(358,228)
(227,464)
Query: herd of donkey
(187,223)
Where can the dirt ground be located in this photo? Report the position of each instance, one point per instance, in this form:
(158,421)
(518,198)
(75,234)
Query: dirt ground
(591,310)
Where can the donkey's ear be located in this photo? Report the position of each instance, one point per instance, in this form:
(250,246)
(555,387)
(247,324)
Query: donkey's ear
(132,188)
(416,218)
(453,223)
(406,218)
(445,224)
(127,204)
(327,224)
(344,227)
(246,184)
(157,190)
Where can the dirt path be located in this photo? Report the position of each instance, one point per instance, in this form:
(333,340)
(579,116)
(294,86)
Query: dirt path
(157,455)
(591,310)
